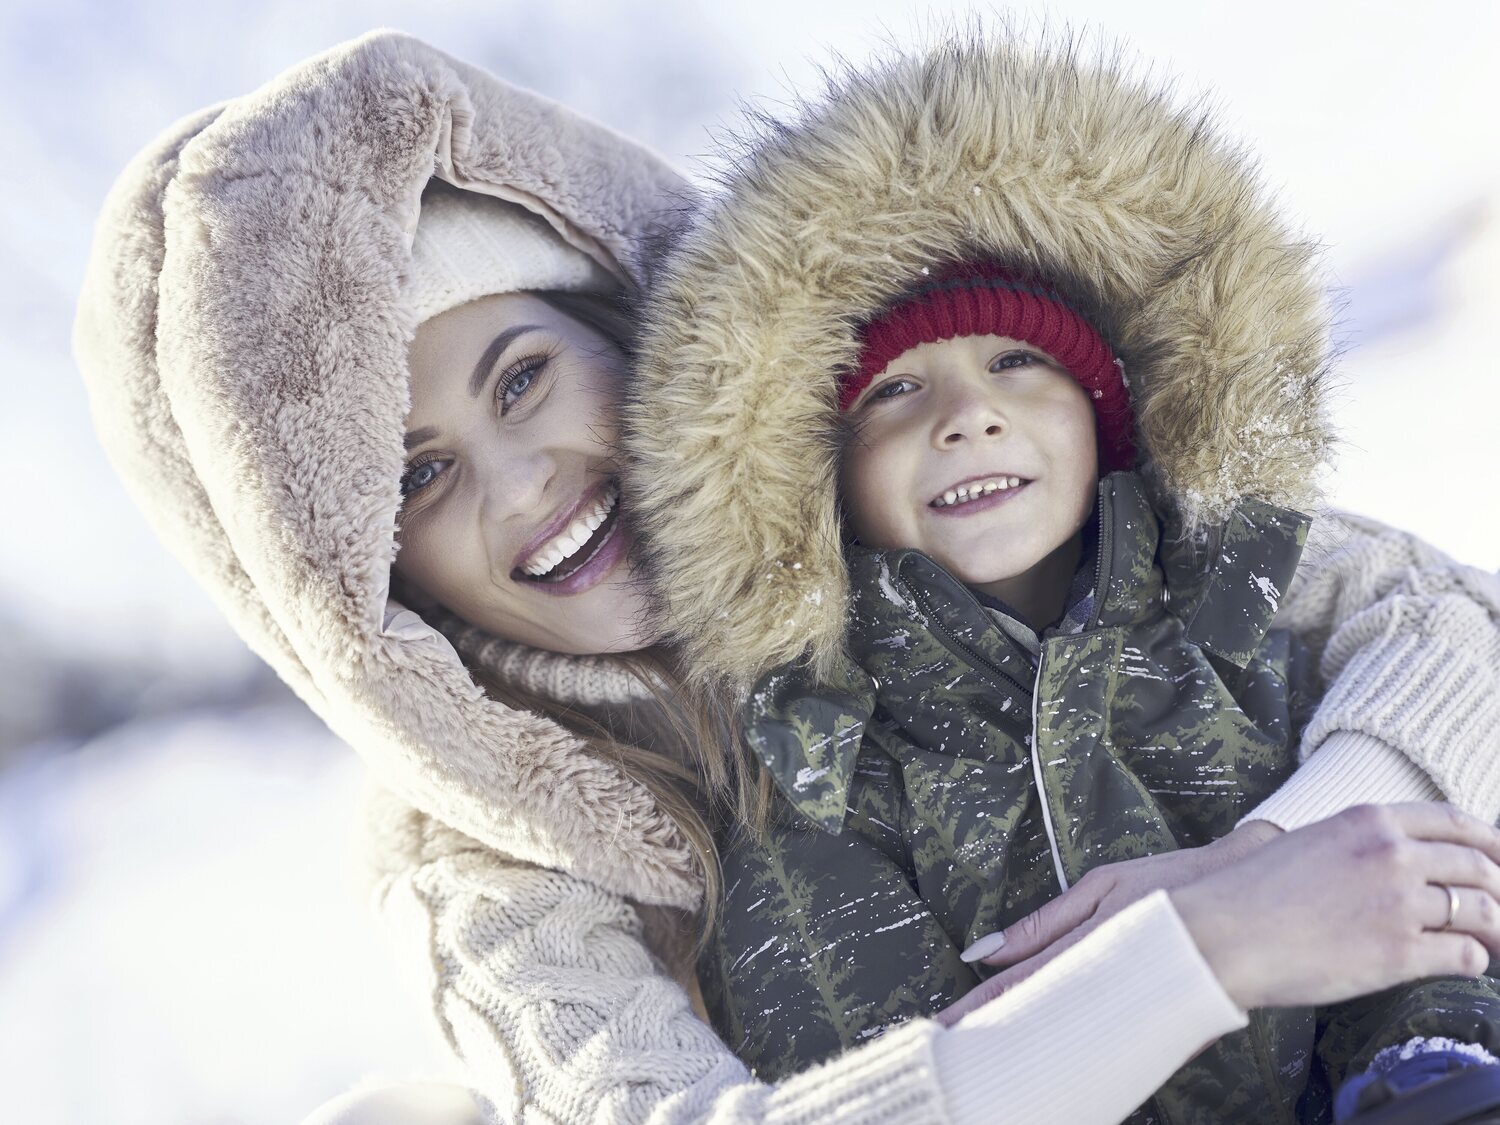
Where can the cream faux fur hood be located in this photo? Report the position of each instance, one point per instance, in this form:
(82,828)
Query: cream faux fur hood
(975,148)
(243,338)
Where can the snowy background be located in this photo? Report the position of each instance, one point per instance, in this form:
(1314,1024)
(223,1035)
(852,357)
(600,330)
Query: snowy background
(182,932)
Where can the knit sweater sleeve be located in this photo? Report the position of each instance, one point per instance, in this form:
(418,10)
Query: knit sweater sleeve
(1408,646)
(544,987)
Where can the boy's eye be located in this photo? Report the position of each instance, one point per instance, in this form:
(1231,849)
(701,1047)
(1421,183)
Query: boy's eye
(1005,361)
(892,389)
(419,475)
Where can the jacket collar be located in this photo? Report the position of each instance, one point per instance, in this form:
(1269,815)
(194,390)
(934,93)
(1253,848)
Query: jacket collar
(1260,546)
(807,733)
(1127,582)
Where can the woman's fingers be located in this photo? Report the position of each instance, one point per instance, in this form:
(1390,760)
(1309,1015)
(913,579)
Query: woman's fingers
(1448,954)
(981,994)
(1043,926)
(1430,820)
(1473,912)
(1456,864)
(1019,972)
(987,990)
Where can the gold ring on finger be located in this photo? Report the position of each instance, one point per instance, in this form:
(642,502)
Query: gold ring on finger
(1452,908)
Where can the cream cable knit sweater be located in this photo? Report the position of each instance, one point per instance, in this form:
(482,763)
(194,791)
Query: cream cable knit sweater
(590,680)
(1410,644)
(542,983)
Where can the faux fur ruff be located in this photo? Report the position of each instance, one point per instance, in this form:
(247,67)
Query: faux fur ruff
(244,342)
(1154,224)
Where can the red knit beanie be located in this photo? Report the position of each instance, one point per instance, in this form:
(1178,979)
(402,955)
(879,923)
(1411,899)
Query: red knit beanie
(986,299)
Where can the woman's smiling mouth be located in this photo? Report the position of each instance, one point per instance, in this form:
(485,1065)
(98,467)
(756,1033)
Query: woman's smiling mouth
(563,553)
(580,554)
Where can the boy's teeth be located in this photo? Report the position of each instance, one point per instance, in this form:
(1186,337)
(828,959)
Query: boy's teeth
(568,542)
(967,492)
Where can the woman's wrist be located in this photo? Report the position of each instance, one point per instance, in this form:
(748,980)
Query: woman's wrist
(1211,921)
(1246,837)
(1207,923)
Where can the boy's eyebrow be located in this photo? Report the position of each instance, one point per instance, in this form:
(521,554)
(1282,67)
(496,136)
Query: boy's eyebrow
(493,352)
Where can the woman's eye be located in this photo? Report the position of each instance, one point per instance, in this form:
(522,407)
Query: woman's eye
(420,475)
(1008,360)
(518,380)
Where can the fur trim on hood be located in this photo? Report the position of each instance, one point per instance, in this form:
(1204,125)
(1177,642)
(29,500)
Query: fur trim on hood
(1155,226)
(244,341)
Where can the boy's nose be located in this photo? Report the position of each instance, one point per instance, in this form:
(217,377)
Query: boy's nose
(991,430)
(968,419)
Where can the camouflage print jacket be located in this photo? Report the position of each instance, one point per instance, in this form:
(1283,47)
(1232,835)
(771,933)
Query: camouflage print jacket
(918,818)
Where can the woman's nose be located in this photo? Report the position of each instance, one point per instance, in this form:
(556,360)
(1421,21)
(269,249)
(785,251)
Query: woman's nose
(513,504)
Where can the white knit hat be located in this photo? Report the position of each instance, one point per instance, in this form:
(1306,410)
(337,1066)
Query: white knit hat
(469,245)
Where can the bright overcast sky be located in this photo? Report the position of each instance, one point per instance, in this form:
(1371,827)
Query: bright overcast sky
(1370,119)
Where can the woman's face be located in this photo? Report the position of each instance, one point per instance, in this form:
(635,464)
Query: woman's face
(510,516)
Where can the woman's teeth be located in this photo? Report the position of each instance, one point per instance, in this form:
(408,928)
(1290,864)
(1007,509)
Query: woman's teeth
(964,493)
(571,540)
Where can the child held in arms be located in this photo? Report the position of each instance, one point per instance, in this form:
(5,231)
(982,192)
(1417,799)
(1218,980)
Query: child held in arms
(1050,678)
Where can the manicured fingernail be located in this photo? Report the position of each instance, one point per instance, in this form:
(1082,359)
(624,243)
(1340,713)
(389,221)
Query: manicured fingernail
(986,946)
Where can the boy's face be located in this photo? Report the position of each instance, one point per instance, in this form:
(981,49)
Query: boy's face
(978,452)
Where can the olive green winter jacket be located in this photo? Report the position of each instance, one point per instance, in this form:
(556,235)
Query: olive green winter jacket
(962,771)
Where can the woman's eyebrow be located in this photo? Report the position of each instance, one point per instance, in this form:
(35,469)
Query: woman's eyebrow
(417,437)
(497,348)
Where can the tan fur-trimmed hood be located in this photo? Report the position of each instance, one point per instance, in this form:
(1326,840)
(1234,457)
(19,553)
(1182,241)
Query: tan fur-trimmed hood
(975,147)
(244,343)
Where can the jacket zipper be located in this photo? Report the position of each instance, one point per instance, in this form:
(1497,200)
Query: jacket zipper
(1105,547)
(1104,550)
(995,673)
(1041,788)
(953,642)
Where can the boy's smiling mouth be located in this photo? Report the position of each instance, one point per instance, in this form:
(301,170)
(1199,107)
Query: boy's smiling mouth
(996,486)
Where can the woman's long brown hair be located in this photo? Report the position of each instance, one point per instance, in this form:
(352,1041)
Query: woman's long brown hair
(679,747)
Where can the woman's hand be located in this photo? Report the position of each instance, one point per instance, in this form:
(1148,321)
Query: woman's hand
(1351,905)
(1340,908)
(1044,933)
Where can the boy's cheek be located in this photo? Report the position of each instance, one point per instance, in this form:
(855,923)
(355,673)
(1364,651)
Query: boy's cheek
(874,528)
(868,486)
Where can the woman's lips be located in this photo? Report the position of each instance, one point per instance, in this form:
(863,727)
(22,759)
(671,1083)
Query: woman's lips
(600,558)
(559,523)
